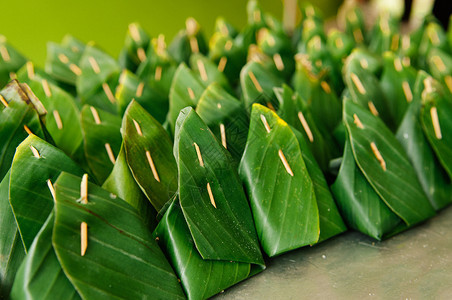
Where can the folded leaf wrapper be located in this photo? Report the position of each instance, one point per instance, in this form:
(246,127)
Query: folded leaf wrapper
(121,258)
(208,234)
(385,167)
(285,200)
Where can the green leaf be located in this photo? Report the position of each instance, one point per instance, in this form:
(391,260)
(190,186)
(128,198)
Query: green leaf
(433,37)
(135,46)
(12,251)
(62,61)
(35,162)
(211,195)
(186,89)
(40,276)
(385,165)
(359,204)
(355,26)
(208,72)
(10,61)
(440,66)
(411,136)
(281,192)
(101,132)
(62,119)
(13,119)
(132,88)
(121,259)
(200,278)
(397,83)
(121,183)
(218,110)
(148,150)
(257,82)
(385,34)
(437,124)
(188,41)
(97,82)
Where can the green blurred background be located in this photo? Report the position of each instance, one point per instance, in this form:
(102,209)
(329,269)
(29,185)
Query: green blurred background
(29,24)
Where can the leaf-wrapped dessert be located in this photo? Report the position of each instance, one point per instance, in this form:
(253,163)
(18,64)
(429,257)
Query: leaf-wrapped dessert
(215,243)
(291,203)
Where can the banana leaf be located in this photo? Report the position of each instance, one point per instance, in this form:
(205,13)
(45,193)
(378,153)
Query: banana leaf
(437,125)
(411,136)
(211,196)
(226,118)
(122,184)
(282,194)
(229,56)
(359,204)
(433,37)
(355,26)
(63,60)
(16,118)
(135,47)
(384,35)
(121,258)
(440,66)
(385,165)
(224,27)
(257,80)
(186,89)
(34,163)
(397,83)
(297,114)
(62,119)
(10,61)
(40,275)
(12,251)
(208,72)
(200,278)
(102,140)
(148,150)
(98,79)
(188,41)
(152,100)
(340,46)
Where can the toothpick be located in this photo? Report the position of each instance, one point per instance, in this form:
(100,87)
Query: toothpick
(306,127)
(326,87)
(223,136)
(152,165)
(339,43)
(83,238)
(435,122)
(255,82)
(63,58)
(134,32)
(202,70)
(198,152)
(94,65)
(35,152)
(378,156)
(398,65)
(358,83)
(358,35)
(372,108)
(212,199)
(194,45)
(3,101)
(141,54)
(137,127)
(95,115)
(30,70)
(108,92)
(264,121)
(407,91)
(191,94)
(395,42)
(222,63)
(84,189)
(27,129)
(51,188)
(4,53)
(363,62)
(75,69)
(58,121)
(111,156)
(158,73)
(357,121)
(140,88)
(285,163)
(438,62)
(448,80)
(46,88)
(278,62)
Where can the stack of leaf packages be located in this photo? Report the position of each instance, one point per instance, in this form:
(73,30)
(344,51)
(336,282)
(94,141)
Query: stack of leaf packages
(176,171)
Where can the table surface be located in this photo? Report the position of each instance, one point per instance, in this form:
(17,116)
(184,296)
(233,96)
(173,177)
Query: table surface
(415,264)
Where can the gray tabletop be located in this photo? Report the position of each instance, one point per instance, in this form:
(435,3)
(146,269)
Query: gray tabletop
(416,264)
